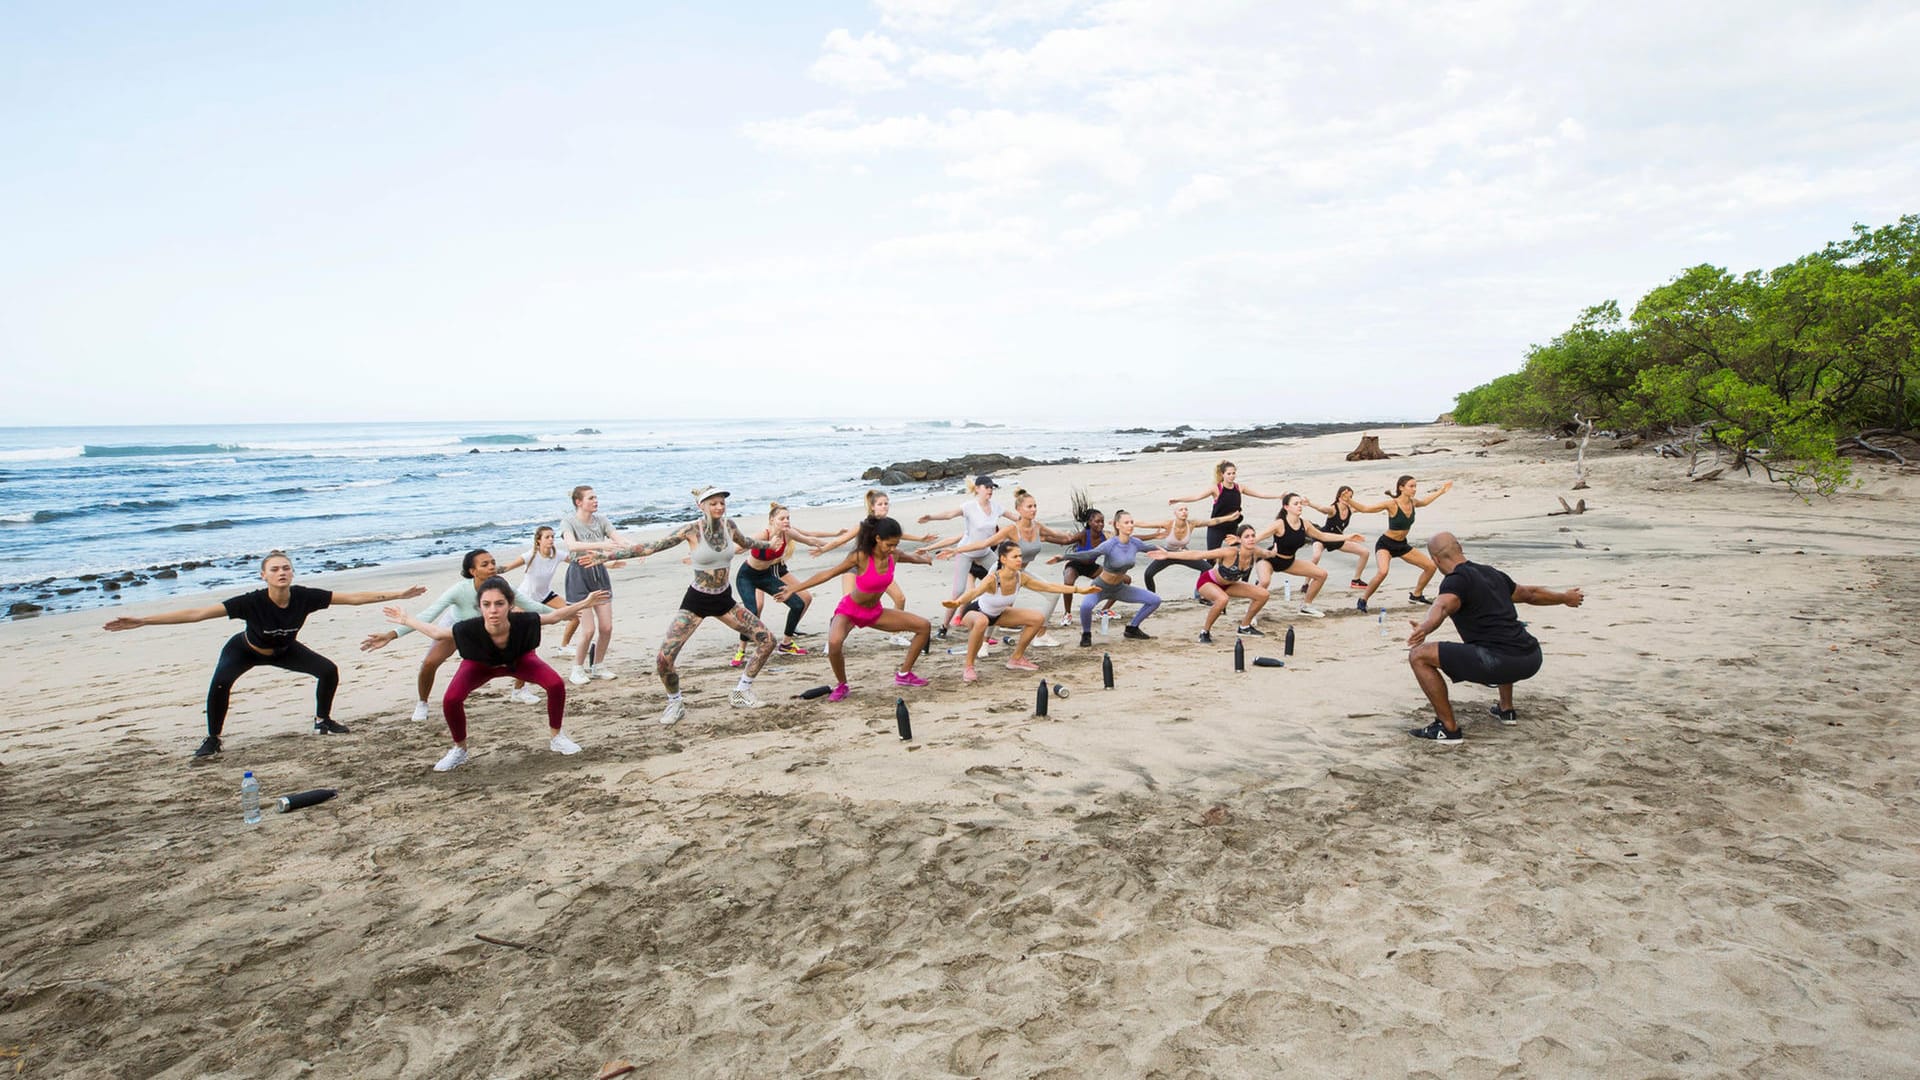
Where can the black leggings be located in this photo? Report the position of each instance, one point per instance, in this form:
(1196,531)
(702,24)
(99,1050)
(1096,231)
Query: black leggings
(237,659)
(751,582)
(1153,571)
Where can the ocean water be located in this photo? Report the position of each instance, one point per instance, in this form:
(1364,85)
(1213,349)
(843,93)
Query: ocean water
(96,516)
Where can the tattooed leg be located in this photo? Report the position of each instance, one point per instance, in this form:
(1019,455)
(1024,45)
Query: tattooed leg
(678,631)
(756,631)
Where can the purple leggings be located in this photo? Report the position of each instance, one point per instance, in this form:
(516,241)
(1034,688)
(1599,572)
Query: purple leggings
(473,675)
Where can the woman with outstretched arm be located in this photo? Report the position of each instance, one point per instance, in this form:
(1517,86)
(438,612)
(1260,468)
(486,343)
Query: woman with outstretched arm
(498,642)
(273,618)
(878,543)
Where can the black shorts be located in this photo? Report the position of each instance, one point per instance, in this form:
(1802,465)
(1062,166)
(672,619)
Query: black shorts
(973,606)
(1478,664)
(978,570)
(1395,548)
(1280,562)
(707,605)
(1086,569)
(550,598)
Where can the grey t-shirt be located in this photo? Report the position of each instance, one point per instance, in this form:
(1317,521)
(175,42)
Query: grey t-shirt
(591,531)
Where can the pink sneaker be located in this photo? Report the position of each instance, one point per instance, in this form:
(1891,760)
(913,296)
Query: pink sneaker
(1021,663)
(908,678)
(967,674)
(840,692)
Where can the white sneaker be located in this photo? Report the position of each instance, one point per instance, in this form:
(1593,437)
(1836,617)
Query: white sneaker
(563,650)
(560,744)
(902,640)
(744,699)
(420,713)
(455,758)
(1044,641)
(578,676)
(675,711)
(526,695)
(1309,609)
(602,671)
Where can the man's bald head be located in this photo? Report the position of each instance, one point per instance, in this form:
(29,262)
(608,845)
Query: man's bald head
(1445,548)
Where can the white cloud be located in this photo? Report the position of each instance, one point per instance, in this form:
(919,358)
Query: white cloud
(1011,240)
(1204,188)
(1103,228)
(860,64)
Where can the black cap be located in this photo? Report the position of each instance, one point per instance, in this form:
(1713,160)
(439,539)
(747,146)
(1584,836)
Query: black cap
(983,480)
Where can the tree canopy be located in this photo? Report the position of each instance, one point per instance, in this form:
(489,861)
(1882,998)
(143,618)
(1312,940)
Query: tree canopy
(1773,366)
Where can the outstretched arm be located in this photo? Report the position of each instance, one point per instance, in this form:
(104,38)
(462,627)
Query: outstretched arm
(683,535)
(1446,604)
(1252,494)
(1359,507)
(169,618)
(1028,581)
(382,597)
(841,567)
(1201,523)
(968,597)
(944,515)
(1540,596)
(1444,488)
(399,617)
(560,614)
(1203,496)
(978,545)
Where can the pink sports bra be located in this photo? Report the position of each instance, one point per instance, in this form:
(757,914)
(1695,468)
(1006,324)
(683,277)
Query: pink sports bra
(874,581)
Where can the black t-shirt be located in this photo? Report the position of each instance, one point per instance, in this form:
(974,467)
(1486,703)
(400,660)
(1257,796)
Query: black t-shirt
(470,637)
(270,626)
(1486,616)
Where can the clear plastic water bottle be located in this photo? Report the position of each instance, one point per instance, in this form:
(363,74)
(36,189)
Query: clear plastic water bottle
(1106,621)
(1384,632)
(250,798)
(1286,587)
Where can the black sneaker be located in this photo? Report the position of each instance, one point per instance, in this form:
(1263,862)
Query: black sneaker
(1361,605)
(1439,734)
(1249,631)
(1419,598)
(1206,637)
(1086,640)
(328,727)
(1136,633)
(1509,717)
(209,748)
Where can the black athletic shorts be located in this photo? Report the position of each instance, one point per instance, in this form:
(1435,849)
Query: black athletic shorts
(705,604)
(1395,548)
(1086,569)
(1478,664)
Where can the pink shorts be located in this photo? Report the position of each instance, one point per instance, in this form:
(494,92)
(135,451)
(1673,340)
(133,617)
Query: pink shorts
(857,613)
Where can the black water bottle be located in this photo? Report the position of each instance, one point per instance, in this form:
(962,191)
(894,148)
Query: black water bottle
(1106,670)
(1239,655)
(900,718)
(1289,645)
(1040,700)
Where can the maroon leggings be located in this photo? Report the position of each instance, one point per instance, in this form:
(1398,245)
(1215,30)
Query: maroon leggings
(473,675)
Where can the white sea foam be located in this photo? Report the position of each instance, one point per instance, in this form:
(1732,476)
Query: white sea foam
(42,453)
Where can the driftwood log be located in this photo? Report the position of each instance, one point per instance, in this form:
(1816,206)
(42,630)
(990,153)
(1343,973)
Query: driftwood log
(1369,450)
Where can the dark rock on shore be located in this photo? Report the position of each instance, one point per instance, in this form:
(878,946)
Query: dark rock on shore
(23,607)
(923,470)
(1254,436)
(1133,431)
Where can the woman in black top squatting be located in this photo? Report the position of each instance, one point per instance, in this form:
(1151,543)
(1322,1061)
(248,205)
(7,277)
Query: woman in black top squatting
(273,616)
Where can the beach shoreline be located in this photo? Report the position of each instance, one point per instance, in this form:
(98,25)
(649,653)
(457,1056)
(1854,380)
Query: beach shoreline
(1693,856)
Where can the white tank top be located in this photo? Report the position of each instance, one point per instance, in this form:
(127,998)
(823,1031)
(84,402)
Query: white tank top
(704,555)
(540,570)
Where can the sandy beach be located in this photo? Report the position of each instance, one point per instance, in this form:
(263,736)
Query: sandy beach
(1694,856)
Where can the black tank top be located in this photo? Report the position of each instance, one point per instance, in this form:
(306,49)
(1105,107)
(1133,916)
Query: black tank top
(1291,539)
(1337,524)
(1226,501)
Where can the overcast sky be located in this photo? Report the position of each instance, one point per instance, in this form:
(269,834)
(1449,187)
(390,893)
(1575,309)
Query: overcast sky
(1147,210)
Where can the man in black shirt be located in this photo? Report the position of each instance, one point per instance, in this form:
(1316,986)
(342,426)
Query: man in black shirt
(1494,646)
